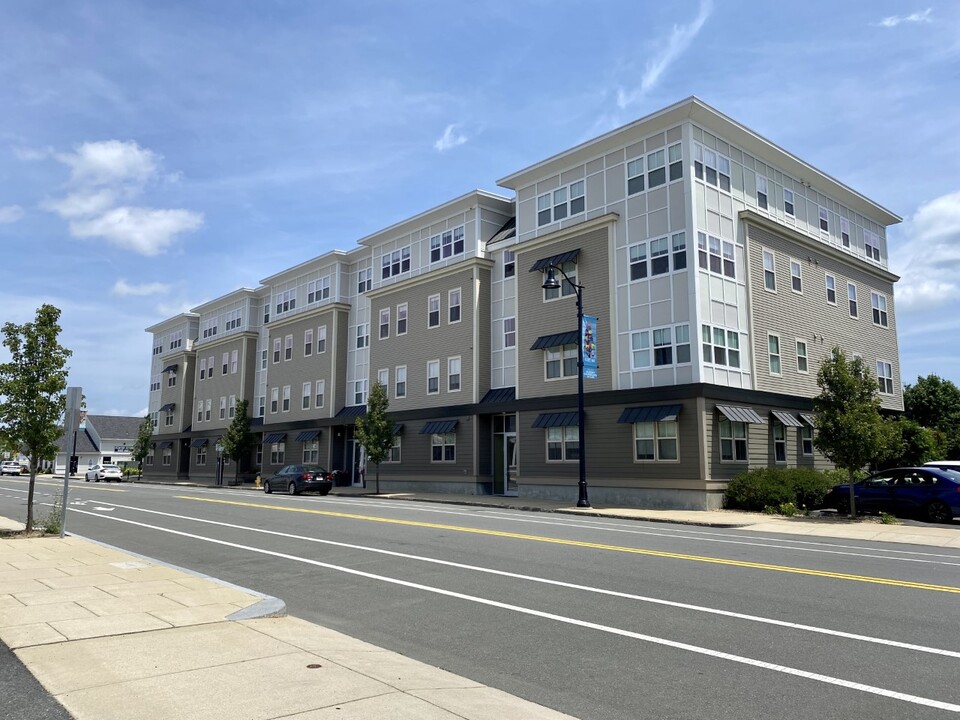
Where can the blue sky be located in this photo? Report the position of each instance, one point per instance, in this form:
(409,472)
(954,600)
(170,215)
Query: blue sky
(156,155)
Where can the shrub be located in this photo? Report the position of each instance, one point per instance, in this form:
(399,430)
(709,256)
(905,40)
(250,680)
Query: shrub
(779,487)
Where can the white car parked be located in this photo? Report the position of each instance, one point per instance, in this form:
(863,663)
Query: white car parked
(104,472)
(10,467)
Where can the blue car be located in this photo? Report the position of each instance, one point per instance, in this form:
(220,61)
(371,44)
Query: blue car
(927,492)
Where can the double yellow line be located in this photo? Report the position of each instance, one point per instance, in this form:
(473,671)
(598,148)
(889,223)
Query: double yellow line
(594,546)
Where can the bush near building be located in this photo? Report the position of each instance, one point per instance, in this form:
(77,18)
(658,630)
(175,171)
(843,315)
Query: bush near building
(765,488)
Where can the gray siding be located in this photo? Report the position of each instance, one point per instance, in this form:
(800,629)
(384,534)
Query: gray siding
(218,385)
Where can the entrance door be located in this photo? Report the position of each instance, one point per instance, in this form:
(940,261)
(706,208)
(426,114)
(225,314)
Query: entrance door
(355,452)
(505,455)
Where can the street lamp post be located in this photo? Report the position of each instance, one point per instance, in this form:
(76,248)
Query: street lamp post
(551,283)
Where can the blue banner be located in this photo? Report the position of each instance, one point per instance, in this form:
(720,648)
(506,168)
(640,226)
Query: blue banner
(588,337)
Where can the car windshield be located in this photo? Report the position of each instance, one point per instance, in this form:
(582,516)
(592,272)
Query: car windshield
(952,474)
(313,469)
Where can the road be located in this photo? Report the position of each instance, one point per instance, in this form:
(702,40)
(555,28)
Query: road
(599,618)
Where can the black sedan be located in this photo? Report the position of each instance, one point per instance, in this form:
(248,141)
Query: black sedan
(927,492)
(296,479)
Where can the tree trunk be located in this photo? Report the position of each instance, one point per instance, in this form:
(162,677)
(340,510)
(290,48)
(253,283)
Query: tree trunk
(853,501)
(378,478)
(33,481)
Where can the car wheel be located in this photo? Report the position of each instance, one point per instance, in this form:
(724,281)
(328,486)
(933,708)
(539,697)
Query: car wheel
(292,488)
(843,506)
(939,512)
(266,487)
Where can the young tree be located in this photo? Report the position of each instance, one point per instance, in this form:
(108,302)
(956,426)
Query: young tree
(32,386)
(141,448)
(935,403)
(850,429)
(375,432)
(238,441)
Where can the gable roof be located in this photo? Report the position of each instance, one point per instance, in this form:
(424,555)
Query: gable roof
(116,426)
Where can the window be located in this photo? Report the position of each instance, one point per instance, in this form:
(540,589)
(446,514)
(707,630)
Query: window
(733,441)
(278,453)
(773,348)
(640,349)
(167,456)
(446,244)
(779,442)
(885,377)
(274,400)
(359,392)
(453,306)
(232,406)
(509,332)
(384,323)
(433,377)
(171,379)
(311,452)
(286,301)
(199,410)
(852,297)
(234,320)
(394,455)
(402,319)
(176,340)
(308,342)
(761,192)
(383,377)
(208,410)
(801,356)
(224,363)
(638,261)
(223,407)
(392,264)
(655,441)
(679,251)
(234,361)
(879,304)
(844,233)
(720,346)
(266,313)
(149,459)
(806,441)
(444,447)
(259,455)
(203,369)
(717,256)
(656,169)
(288,347)
(663,347)
(635,176)
(261,406)
(155,383)
(263,359)
(364,280)
(675,158)
(276,350)
(871,245)
(563,443)
(363,335)
(433,311)
(824,220)
(769,272)
(562,202)
(318,290)
(401,381)
(788,202)
(321,339)
(711,167)
(509,264)
(155,419)
(561,362)
(831,289)
(286,398)
(319,392)
(306,396)
(659,256)
(168,418)
(796,280)
(567,286)
(453,374)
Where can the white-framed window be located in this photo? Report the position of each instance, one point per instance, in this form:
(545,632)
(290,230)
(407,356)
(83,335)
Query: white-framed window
(779,442)
(263,359)
(773,350)
(878,304)
(224,363)
(308,342)
(761,192)
(801,356)
(885,377)
(720,346)
(311,452)
(321,339)
(261,406)
(510,332)
(234,361)
(171,379)
(400,385)
(203,369)
(307,394)
(806,441)
(402,319)
(566,285)
(433,377)
(320,387)
(446,244)
(711,167)
(824,220)
(167,456)
(394,263)
(276,350)
(274,400)
(363,335)
(443,448)
(155,419)
(286,301)
(845,232)
(788,202)
(831,285)
(155,382)
(208,410)
(453,306)
(288,347)
(638,261)
(199,410)
(394,454)
(852,299)
(176,340)
(383,377)
(659,256)
(563,202)
(640,349)
(285,399)
(563,444)
(453,374)
(716,255)
(318,290)
(769,272)
(234,319)
(656,169)
(675,160)
(560,362)
(636,178)
(360,392)
(364,280)
(149,459)
(384,323)
(259,455)
(433,311)
(871,245)
(796,277)
(679,242)
(509,264)
(655,441)
(278,452)
(232,406)
(733,441)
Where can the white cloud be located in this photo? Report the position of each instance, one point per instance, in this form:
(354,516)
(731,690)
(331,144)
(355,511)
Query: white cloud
(450,139)
(81,204)
(917,17)
(124,289)
(680,38)
(10,214)
(111,163)
(143,230)
(929,257)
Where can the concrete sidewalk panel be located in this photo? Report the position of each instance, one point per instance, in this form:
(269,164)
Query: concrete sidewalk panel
(20,636)
(220,595)
(307,636)
(398,670)
(198,615)
(30,614)
(111,605)
(74,581)
(395,706)
(97,626)
(75,595)
(485,703)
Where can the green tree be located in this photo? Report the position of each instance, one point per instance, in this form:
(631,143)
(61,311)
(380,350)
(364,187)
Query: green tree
(375,432)
(850,429)
(238,441)
(935,403)
(32,385)
(141,448)
(911,443)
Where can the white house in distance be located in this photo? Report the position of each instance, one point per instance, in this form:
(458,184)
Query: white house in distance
(100,439)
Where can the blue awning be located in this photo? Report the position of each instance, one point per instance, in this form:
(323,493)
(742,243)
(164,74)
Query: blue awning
(650,414)
(199,442)
(351,412)
(555,260)
(307,436)
(438,427)
(500,395)
(786,418)
(274,437)
(398,428)
(740,414)
(557,340)
(168,406)
(166,444)
(561,419)
(170,368)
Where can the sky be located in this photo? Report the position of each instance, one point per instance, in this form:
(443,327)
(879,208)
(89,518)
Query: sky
(157,155)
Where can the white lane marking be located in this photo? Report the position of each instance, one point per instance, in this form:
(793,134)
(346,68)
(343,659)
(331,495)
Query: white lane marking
(743,660)
(105,509)
(559,583)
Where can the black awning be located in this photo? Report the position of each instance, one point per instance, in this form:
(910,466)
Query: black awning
(555,260)
(557,340)
(500,395)
(786,418)
(561,419)
(170,368)
(307,436)
(274,437)
(166,444)
(397,428)
(650,414)
(351,412)
(199,442)
(808,419)
(168,406)
(438,427)
(740,414)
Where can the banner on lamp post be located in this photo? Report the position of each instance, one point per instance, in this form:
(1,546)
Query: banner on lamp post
(588,338)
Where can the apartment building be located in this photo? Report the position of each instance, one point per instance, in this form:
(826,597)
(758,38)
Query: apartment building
(721,270)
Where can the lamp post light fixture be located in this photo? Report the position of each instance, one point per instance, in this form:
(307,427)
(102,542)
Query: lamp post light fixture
(551,283)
